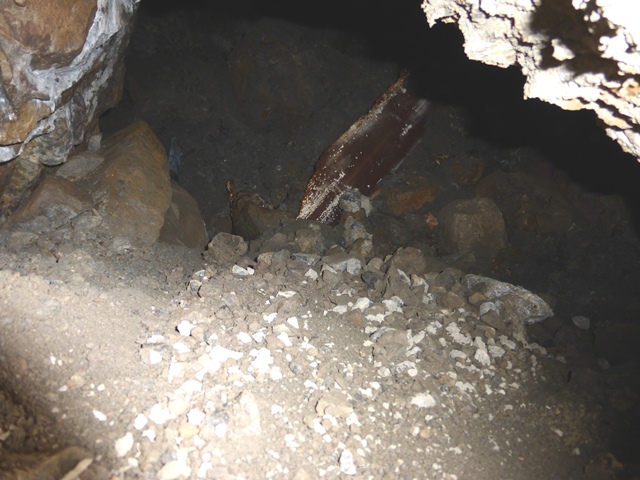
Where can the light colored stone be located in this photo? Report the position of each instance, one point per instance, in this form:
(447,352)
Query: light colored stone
(577,55)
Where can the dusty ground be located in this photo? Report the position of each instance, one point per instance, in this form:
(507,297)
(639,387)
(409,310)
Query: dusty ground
(160,367)
(155,363)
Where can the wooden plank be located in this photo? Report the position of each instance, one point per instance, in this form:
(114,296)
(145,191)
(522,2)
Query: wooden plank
(369,150)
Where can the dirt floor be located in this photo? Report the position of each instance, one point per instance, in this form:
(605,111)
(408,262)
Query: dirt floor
(120,360)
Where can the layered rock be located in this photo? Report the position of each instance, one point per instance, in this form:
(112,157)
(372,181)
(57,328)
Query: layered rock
(61,67)
(578,54)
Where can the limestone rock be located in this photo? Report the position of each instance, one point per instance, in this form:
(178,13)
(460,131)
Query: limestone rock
(577,55)
(131,188)
(183,224)
(475,224)
(518,304)
(61,68)
(61,63)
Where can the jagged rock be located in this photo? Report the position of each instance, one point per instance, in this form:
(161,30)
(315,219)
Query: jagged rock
(57,199)
(183,224)
(131,189)
(225,249)
(79,166)
(475,224)
(76,49)
(61,69)
(516,303)
(577,55)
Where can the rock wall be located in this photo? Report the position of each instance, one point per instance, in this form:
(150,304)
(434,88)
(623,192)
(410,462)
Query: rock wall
(61,63)
(577,54)
(61,67)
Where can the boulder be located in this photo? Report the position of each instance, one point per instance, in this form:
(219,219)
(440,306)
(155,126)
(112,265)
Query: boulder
(183,224)
(57,199)
(132,189)
(475,224)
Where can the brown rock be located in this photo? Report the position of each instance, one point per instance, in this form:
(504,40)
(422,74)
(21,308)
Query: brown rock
(131,188)
(413,197)
(225,249)
(467,170)
(53,31)
(183,224)
(16,178)
(474,224)
(56,198)
(251,215)
(410,260)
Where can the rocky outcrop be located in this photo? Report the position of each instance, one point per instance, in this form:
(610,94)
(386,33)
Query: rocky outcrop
(578,54)
(61,67)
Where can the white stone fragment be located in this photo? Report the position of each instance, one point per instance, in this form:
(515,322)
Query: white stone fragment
(191,386)
(454,332)
(244,337)
(415,339)
(185,327)
(180,347)
(155,339)
(195,416)
(393,304)
(482,357)
(155,357)
(277,409)
(362,304)
(311,385)
(352,419)
(222,354)
(496,351)
(174,470)
(340,309)
(423,400)
(275,374)
(286,294)
(457,354)
(159,415)
(293,321)
(284,338)
(123,445)
(312,274)
(262,361)
(347,464)
(318,427)
(270,317)
(140,421)
(241,271)
(99,415)
(465,386)
(510,344)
